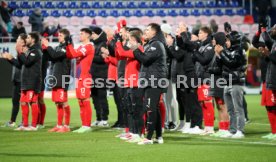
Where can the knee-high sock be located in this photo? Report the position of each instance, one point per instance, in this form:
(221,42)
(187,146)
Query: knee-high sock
(88,113)
(67,114)
(60,114)
(272,120)
(82,112)
(162,112)
(42,113)
(208,114)
(35,111)
(25,114)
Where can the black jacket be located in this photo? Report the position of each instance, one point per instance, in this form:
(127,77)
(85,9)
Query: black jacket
(153,60)
(36,22)
(271,69)
(16,70)
(233,65)
(61,65)
(203,58)
(6,14)
(16,32)
(31,69)
(99,68)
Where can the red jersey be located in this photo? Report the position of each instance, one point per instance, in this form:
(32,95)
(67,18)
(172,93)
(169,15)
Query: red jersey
(112,67)
(132,66)
(84,55)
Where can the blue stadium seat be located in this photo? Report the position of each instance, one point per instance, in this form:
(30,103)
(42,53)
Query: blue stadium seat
(114,13)
(55,13)
(234,3)
(149,13)
(91,13)
(210,4)
(166,5)
(195,12)
(49,5)
(177,4)
(229,12)
(108,5)
(207,12)
(44,13)
(218,12)
(120,5)
(188,4)
(172,13)
(222,4)
(143,5)
(96,5)
(241,12)
(67,13)
(84,5)
(154,4)
(102,13)
(138,13)
(13,5)
(25,4)
(79,13)
(19,13)
(161,13)
(29,12)
(131,5)
(199,4)
(61,5)
(126,13)
(37,4)
(73,4)
(184,12)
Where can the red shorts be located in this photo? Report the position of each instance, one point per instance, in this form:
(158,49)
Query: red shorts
(203,93)
(268,96)
(219,101)
(28,96)
(59,95)
(83,89)
(41,94)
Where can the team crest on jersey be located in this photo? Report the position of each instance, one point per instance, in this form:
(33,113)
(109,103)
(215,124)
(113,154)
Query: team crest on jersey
(209,48)
(83,50)
(152,48)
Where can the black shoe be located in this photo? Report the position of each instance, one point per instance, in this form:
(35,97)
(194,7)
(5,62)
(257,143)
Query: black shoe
(172,126)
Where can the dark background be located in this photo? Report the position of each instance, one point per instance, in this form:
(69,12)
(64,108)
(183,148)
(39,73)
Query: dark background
(5,78)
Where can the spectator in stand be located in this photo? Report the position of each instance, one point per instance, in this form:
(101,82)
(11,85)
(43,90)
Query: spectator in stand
(5,13)
(36,20)
(17,30)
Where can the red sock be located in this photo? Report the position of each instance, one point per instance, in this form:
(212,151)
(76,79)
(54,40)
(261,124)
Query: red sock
(226,125)
(67,113)
(35,111)
(25,114)
(60,113)
(88,113)
(221,126)
(208,114)
(271,118)
(42,113)
(126,130)
(82,112)
(162,112)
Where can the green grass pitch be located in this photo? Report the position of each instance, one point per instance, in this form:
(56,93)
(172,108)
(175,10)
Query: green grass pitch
(101,144)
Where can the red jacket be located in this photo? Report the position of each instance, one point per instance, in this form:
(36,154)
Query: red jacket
(132,66)
(112,68)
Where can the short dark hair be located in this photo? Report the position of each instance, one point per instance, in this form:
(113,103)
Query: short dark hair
(20,23)
(23,36)
(35,36)
(137,34)
(155,27)
(65,32)
(206,29)
(86,30)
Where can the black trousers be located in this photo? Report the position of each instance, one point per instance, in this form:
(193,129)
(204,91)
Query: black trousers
(123,109)
(118,102)
(181,97)
(192,106)
(151,105)
(135,110)
(15,100)
(99,96)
